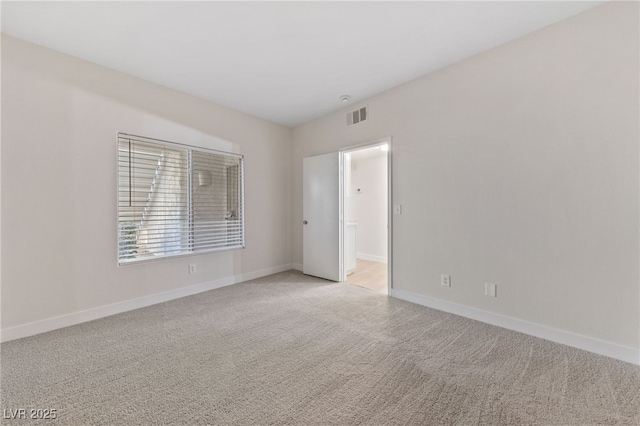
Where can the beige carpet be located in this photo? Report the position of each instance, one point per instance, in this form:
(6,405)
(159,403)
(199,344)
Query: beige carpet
(291,349)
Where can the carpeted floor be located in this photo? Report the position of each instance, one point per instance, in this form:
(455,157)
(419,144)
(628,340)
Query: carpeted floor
(292,349)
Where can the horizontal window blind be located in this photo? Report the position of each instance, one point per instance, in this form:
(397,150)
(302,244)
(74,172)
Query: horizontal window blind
(175,199)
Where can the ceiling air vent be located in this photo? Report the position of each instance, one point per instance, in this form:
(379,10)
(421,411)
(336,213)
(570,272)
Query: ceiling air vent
(357,116)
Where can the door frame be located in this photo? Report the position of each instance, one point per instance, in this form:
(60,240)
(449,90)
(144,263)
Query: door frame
(369,144)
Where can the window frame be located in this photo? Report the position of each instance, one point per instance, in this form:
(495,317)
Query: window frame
(181,146)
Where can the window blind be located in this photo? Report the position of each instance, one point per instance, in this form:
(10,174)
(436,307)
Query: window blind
(176,199)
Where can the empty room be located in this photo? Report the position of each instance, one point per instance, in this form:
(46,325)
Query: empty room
(320,213)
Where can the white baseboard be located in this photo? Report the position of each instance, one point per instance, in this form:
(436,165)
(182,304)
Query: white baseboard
(54,323)
(248,276)
(296,266)
(601,347)
(371,257)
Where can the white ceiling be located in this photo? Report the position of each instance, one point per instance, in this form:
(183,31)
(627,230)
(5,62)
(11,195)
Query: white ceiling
(287,62)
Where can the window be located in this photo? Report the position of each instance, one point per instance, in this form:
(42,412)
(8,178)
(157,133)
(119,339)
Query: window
(176,199)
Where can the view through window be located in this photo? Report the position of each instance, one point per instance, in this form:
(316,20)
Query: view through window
(176,199)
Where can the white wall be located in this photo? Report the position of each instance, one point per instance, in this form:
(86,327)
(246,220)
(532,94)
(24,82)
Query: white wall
(369,207)
(519,166)
(60,116)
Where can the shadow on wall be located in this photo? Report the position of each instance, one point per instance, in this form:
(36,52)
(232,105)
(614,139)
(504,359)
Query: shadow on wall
(131,91)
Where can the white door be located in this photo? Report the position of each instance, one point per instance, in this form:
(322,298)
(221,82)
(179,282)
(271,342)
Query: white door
(321,214)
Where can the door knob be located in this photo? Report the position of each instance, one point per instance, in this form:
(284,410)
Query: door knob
(304,222)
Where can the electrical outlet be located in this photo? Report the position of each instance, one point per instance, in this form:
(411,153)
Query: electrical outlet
(490,289)
(445,280)
(397,209)
(192,269)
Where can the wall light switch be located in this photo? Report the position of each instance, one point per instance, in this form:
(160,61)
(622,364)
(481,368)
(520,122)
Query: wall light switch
(397,209)
(490,289)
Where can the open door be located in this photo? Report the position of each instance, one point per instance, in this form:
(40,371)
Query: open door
(322,217)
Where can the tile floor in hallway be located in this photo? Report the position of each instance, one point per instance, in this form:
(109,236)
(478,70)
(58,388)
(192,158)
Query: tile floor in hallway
(371,275)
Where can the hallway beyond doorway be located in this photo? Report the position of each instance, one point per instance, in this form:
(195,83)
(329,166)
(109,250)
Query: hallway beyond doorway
(369,274)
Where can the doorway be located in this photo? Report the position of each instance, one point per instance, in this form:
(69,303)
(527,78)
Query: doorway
(366,225)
